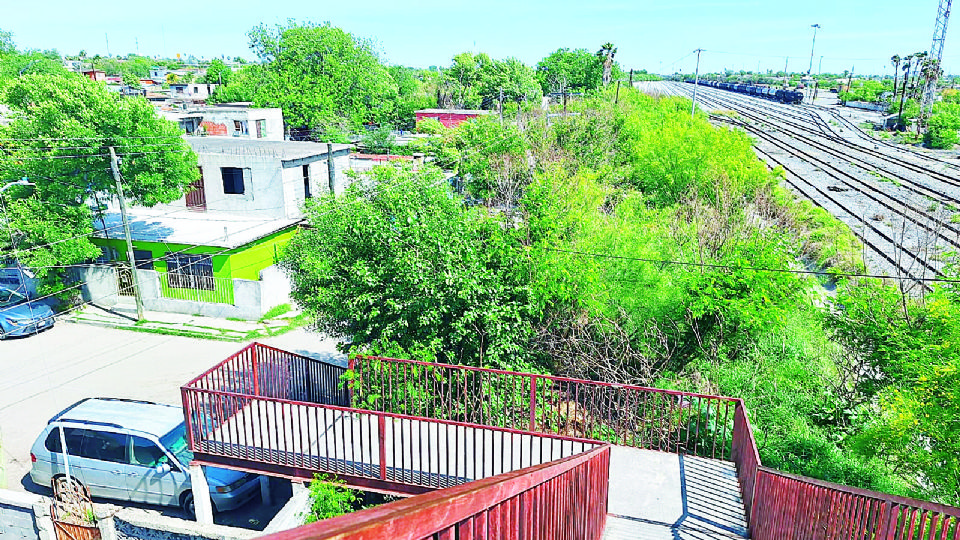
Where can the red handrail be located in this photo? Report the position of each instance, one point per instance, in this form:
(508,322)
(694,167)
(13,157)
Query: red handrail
(745,455)
(791,506)
(565,499)
(666,420)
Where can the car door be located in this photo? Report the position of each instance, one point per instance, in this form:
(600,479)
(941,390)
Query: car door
(148,485)
(103,460)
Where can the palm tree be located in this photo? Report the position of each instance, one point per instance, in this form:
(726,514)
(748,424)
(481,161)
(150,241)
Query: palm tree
(605,54)
(895,60)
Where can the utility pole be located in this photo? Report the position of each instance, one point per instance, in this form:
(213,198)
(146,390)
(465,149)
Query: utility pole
(813,46)
(331,170)
(115,167)
(501,105)
(786,62)
(107,38)
(696,82)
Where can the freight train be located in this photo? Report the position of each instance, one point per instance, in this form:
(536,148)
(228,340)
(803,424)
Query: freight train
(792,97)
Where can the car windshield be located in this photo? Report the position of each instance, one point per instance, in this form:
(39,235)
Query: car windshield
(10,298)
(176,443)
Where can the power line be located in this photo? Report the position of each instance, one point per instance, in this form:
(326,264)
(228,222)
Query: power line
(667,262)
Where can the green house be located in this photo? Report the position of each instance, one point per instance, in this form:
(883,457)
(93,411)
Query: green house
(212,264)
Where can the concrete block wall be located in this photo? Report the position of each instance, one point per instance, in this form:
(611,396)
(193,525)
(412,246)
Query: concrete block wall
(25,516)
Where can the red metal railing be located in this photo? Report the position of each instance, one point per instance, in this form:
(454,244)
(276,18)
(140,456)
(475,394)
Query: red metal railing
(679,422)
(562,500)
(300,437)
(795,507)
(261,370)
(745,455)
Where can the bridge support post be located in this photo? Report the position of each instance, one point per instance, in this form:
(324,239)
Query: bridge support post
(203,507)
(266,496)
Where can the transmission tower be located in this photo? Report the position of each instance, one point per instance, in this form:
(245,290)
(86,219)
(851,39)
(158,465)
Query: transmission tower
(936,55)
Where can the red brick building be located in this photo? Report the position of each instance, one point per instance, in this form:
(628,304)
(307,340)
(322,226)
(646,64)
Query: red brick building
(449,117)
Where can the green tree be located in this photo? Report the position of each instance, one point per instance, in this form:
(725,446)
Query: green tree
(217,73)
(60,140)
(575,70)
(325,80)
(606,54)
(398,264)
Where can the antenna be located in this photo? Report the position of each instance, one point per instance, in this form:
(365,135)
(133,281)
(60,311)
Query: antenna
(932,70)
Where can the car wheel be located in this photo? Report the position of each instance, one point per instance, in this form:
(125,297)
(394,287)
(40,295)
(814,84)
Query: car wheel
(188,507)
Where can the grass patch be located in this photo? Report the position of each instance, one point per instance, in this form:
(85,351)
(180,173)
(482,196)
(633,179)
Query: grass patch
(276,311)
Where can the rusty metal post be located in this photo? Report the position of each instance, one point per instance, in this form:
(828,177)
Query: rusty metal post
(256,368)
(533,402)
(381,437)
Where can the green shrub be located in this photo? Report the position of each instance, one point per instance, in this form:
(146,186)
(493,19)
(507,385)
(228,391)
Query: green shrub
(329,498)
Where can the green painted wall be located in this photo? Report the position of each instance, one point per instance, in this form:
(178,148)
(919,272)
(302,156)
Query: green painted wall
(244,262)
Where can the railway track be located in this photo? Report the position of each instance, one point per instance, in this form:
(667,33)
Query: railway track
(809,138)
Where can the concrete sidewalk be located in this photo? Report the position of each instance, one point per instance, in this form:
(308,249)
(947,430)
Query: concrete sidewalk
(124,316)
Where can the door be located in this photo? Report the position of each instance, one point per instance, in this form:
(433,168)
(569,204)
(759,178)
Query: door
(147,485)
(196,197)
(103,460)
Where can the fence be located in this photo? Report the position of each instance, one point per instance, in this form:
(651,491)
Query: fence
(665,420)
(261,370)
(276,408)
(196,288)
(790,506)
(564,500)
(745,455)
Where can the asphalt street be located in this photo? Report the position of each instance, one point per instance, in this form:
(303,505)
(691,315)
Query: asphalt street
(45,373)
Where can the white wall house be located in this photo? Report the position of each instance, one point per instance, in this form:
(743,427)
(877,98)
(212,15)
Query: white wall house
(226,121)
(262,179)
(198,91)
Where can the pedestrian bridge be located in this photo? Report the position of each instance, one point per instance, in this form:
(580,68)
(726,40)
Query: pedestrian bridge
(489,453)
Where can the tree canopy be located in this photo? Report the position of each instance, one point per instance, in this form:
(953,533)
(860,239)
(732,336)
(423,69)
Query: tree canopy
(59,140)
(325,79)
(577,70)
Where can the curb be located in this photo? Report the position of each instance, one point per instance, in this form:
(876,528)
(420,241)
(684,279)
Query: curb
(175,331)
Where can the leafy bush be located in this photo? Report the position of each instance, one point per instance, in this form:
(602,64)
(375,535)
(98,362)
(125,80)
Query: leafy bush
(431,126)
(329,498)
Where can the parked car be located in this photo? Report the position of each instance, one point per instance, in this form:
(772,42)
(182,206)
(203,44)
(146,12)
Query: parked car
(21,316)
(131,451)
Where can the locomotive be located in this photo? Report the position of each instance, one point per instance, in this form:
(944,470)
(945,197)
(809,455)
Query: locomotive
(792,97)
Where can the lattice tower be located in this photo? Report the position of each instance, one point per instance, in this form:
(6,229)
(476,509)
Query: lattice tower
(936,55)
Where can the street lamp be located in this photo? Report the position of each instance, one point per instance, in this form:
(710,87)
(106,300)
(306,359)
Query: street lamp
(812,46)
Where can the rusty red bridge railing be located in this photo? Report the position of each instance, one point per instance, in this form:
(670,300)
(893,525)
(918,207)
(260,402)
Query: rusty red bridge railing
(502,446)
(562,500)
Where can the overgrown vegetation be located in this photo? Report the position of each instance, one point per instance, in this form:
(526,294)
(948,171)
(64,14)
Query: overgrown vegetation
(630,242)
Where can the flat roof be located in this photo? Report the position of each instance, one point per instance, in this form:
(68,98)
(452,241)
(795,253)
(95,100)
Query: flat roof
(284,150)
(185,226)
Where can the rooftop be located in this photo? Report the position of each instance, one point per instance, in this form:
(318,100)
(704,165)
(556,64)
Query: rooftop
(192,228)
(285,150)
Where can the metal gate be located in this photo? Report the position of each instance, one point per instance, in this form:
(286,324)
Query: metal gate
(124,281)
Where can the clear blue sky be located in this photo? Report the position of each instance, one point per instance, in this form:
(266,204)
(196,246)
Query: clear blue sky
(736,34)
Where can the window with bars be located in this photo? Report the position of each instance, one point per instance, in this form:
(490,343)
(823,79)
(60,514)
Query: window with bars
(190,272)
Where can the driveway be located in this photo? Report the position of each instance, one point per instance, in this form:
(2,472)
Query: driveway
(45,373)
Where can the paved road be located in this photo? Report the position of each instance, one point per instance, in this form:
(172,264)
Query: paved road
(44,374)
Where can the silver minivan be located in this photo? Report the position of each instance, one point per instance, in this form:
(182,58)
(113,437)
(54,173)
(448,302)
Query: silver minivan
(131,451)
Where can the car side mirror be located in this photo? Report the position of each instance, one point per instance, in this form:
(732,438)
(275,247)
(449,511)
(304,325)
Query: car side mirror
(162,468)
